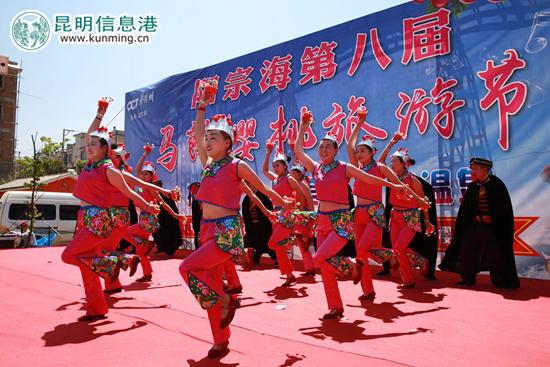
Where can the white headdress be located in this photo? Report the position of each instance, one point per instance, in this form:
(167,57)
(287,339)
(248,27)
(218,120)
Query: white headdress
(368,141)
(103,133)
(298,166)
(222,123)
(121,150)
(404,154)
(279,157)
(331,136)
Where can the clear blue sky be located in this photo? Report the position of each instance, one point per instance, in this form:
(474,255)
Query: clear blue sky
(67,80)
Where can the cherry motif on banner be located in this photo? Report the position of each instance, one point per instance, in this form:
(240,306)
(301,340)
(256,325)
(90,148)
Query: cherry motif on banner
(237,82)
(276,73)
(318,63)
(426,36)
(245,131)
(495,79)
(198,91)
(169,150)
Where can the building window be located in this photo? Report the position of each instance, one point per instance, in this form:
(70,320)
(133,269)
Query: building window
(1,81)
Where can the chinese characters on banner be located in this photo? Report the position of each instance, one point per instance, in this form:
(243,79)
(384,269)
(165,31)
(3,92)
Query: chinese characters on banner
(424,37)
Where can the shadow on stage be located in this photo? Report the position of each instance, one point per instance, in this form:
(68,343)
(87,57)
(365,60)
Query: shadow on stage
(81,332)
(349,332)
(388,312)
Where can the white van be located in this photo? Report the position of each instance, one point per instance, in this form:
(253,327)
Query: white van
(59,213)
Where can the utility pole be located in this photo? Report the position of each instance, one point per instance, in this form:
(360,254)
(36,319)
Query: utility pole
(63,147)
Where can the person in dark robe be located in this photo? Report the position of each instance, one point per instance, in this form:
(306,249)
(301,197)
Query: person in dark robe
(168,236)
(196,211)
(257,226)
(422,244)
(484,231)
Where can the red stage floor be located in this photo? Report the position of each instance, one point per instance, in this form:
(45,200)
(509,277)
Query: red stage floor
(161,324)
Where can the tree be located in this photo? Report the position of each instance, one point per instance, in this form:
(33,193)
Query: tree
(45,162)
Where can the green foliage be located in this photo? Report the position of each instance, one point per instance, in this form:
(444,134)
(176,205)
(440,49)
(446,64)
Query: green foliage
(457,8)
(45,163)
(80,163)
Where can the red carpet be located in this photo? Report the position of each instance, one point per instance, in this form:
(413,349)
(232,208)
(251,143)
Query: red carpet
(161,324)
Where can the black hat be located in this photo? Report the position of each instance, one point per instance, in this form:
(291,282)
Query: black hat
(481,162)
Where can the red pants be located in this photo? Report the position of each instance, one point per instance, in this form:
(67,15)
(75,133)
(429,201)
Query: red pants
(328,245)
(231,275)
(207,264)
(401,237)
(110,244)
(368,236)
(279,234)
(86,244)
(136,230)
(307,257)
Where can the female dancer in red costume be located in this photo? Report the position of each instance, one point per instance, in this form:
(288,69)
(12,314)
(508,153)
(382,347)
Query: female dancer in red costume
(220,235)
(139,233)
(405,216)
(94,186)
(369,212)
(119,210)
(304,233)
(335,226)
(283,236)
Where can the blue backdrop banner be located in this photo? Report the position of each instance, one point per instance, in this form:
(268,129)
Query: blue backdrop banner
(462,81)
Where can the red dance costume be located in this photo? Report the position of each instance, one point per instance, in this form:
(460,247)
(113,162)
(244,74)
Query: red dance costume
(282,238)
(138,234)
(334,228)
(404,225)
(369,222)
(93,227)
(121,222)
(221,240)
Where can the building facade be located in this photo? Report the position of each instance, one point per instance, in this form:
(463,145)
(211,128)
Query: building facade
(9,85)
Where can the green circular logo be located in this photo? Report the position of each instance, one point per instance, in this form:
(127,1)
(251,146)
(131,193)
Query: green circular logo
(30,30)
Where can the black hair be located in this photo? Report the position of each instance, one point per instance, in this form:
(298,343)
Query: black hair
(286,161)
(411,161)
(227,137)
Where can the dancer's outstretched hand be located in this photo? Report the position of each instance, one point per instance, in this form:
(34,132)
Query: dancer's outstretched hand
(148,148)
(152,208)
(430,229)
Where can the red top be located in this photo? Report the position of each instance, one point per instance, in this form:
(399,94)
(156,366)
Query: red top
(145,194)
(367,191)
(407,179)
(119,199)
(93,186)
(282,187)
(220,184)
(331,182)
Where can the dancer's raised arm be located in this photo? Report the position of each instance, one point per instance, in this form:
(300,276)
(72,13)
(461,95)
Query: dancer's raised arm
(265,168)
(309,163)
